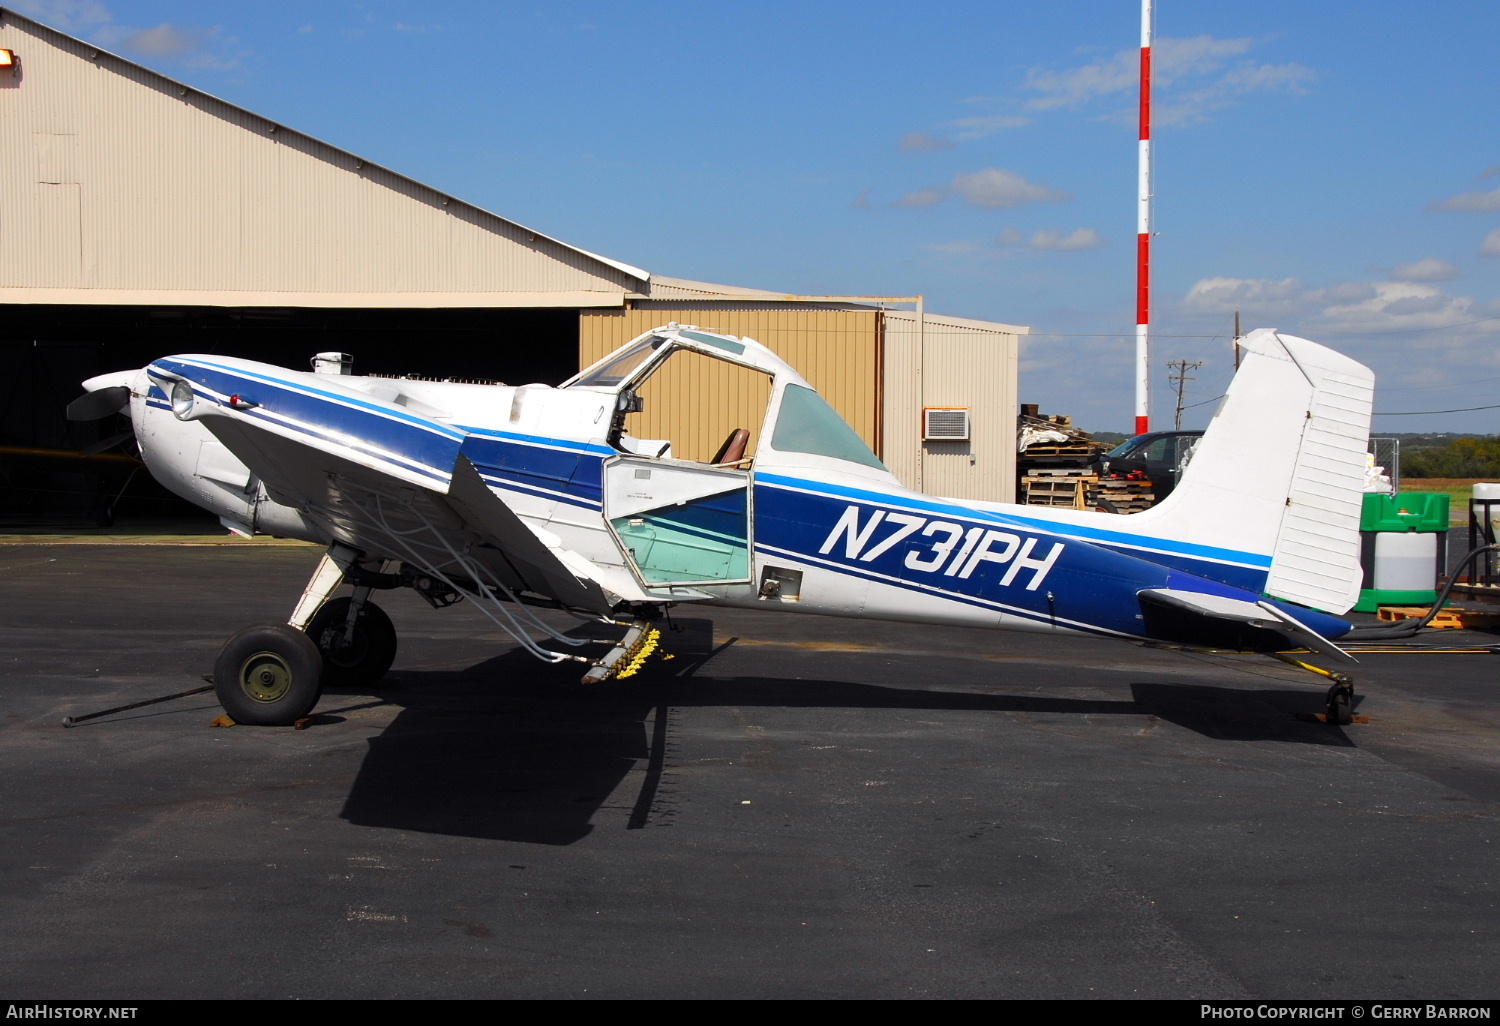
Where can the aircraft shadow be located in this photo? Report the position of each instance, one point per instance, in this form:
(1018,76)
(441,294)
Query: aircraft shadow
(511,749)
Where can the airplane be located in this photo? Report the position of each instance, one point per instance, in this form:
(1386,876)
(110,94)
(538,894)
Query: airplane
(535,496)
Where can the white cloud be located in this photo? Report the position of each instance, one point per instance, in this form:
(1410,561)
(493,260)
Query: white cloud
(1174,58)
(1491,244)
(1051,238)
(1201,61)
(862,201)
(997,187)
(186,45)
(970,129)
(992,187)
(921,142)
(1076,86)
(1430,269)
(922,198)
(1479,201)
(1078,238)
(76,16)
(1342,307)
(1489,172)
(1264,297)
(1398,306)
(165,40)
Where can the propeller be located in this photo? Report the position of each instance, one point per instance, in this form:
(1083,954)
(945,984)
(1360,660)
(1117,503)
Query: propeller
(106,443)
(100,403)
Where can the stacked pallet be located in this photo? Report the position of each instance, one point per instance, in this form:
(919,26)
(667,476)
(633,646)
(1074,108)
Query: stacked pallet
(1058,464)
(1126,496)
(1064,487)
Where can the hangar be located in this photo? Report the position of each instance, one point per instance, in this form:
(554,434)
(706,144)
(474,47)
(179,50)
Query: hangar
(140,216)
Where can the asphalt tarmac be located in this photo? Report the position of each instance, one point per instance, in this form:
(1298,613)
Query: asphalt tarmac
(791,807)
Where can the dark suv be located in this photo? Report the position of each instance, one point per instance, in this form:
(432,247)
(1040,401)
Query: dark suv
(1156,455)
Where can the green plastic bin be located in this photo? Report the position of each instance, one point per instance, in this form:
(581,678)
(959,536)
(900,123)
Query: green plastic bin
(1403,549)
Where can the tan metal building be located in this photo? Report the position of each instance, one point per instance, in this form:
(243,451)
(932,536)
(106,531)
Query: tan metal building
(881,368)
(140,216)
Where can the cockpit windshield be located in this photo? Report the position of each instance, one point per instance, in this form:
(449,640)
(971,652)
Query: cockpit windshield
(622,366)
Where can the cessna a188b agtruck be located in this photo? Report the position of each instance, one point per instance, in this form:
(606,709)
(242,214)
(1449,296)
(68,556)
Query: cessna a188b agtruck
(535,496)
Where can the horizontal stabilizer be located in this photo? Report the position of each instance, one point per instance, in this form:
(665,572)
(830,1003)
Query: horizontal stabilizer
(1193,617)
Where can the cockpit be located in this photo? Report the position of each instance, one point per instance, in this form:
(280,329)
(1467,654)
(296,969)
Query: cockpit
(684,393)
(695,414)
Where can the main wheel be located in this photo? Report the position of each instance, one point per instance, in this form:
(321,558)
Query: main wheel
(1340,706)
(371,648)
(268,675)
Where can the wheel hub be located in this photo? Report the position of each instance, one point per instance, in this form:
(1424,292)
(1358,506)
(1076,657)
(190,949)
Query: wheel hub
(265,677)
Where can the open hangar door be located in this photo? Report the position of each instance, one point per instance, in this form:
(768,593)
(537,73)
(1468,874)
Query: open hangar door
(46,351)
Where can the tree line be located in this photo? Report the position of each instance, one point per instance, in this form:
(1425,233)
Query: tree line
(1462,457)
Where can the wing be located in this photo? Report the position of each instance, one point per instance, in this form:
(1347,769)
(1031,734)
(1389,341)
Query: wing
(441,526)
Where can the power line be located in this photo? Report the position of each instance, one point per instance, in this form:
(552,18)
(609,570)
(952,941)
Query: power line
(1451,384)
(1412,331)
(1423,413)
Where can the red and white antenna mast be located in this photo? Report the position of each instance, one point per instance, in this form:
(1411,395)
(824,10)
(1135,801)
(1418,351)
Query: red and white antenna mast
(1143,239)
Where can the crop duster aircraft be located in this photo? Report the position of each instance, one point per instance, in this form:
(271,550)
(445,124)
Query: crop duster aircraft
(519,497)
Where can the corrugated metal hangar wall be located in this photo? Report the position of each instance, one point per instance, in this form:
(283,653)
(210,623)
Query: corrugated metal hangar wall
(140,217)
(879,368)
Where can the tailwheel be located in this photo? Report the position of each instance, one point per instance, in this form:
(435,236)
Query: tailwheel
(1340,711)
(353,658)
(268,675)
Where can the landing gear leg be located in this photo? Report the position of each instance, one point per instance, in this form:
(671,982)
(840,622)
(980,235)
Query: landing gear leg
(336,562)
(354,636)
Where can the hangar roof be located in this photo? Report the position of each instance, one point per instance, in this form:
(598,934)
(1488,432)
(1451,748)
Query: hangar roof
(119,185)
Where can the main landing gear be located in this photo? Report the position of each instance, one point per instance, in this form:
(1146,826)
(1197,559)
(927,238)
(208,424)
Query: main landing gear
(272,674)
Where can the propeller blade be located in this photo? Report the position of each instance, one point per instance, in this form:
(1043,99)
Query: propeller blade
(107,443)
(100,403)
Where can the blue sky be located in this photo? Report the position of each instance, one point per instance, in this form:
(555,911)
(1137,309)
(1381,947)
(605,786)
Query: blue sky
(1329,169)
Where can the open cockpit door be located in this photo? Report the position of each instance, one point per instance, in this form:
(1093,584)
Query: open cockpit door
(676,498)
(679,522)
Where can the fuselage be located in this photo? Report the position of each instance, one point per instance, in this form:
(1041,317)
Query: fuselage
(792,531)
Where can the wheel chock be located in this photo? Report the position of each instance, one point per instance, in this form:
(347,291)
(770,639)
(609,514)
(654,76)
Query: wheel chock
(1323,718)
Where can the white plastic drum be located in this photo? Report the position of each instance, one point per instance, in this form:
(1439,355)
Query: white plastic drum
(1405,562)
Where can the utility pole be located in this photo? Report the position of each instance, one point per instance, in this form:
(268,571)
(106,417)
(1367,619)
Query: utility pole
(1237,340)
(1180,378)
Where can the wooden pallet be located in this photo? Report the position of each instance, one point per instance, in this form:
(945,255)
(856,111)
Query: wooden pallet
(1035,472)
(1451,618)
(1051,452)
(1057,490)
(1127,496)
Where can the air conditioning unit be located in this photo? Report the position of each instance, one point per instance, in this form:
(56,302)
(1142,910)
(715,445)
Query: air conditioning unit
(945,424)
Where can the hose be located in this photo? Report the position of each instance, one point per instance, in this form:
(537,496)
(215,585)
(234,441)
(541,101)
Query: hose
(1406,628)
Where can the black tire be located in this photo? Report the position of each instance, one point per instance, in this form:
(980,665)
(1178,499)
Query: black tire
(370,651)
(1103,505)
(1340,707)
(268,675)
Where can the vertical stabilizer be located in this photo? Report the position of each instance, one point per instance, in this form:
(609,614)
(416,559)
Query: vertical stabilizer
(1280,471)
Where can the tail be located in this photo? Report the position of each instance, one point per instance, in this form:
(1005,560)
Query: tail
(1280,471)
